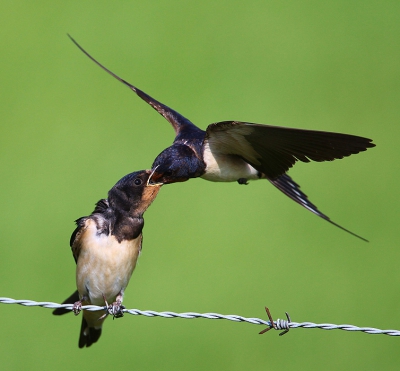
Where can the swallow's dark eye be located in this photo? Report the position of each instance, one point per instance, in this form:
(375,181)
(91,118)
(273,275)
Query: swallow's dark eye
(168,173)
(137,181)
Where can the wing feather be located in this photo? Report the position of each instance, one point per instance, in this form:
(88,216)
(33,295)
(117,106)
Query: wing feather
(178,122)
(291,189)
(273,150)
(75,241)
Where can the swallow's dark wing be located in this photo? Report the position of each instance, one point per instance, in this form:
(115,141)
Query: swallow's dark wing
(97,217)
(273,150)
(76,237)
(178,122)
(291,189)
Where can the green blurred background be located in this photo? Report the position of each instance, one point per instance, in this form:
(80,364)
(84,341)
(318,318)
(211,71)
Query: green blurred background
(69,132)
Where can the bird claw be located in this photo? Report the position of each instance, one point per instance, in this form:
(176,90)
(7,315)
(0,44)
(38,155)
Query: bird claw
(243,181)
(115,309)
(77,307)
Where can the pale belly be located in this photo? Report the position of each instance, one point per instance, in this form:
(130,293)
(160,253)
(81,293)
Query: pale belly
(105,267)
(227,168)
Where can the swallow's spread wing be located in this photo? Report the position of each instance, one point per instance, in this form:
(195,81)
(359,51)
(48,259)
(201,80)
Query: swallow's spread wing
(273,150)
(178,122)
(291,189)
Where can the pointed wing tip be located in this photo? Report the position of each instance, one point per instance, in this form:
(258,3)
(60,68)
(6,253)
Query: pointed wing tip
(136,90)
(366,142)
(174,118)
(73,40)
(346,230)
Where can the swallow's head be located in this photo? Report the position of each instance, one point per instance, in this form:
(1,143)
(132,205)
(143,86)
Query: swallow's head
(134,192)
(177,163)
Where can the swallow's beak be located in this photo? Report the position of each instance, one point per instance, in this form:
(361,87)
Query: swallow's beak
(153,178)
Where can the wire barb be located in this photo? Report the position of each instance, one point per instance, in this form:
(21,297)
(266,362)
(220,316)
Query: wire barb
(278,324)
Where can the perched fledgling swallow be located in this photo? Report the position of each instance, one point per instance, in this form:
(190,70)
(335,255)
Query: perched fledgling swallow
(231,151)
(106,245)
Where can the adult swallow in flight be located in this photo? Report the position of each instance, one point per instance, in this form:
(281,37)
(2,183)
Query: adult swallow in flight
(231,151)
(106,245)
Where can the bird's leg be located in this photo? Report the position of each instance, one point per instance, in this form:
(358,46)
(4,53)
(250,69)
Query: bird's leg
(242,181)
(106,308)
(77,307)
(117,307)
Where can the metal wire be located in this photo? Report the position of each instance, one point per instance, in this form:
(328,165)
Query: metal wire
(278,324)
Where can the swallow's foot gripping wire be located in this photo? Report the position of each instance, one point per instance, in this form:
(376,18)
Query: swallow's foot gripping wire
(115,309)
(77,307)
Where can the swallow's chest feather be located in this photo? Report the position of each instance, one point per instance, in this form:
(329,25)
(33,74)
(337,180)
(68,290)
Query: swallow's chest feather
(104,265)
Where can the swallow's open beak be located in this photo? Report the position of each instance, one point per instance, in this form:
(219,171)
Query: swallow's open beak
(153,178)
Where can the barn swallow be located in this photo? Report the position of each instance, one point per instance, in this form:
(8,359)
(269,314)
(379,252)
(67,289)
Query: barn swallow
(106,245)
(231,151)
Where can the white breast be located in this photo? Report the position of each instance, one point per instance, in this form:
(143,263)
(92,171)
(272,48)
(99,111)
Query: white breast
(104,265)
(222,167)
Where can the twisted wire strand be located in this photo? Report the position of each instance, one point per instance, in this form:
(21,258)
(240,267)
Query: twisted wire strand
(278,324)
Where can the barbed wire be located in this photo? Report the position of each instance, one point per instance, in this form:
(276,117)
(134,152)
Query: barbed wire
(278,324)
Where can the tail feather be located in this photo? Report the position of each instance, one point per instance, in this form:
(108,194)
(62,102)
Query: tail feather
(291,189)
(88,335)
(71,300)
